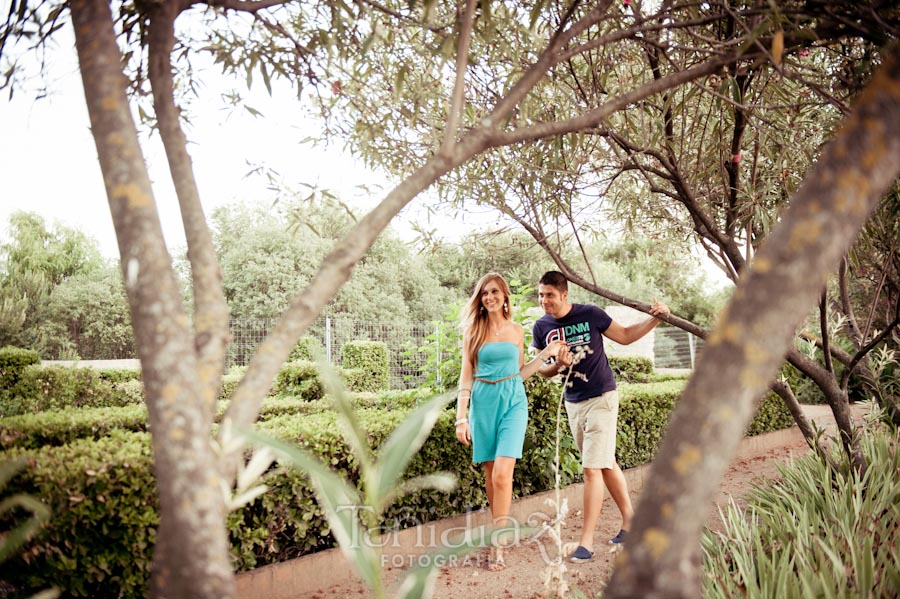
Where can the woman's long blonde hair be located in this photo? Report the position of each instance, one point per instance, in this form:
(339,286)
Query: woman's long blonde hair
(475,317)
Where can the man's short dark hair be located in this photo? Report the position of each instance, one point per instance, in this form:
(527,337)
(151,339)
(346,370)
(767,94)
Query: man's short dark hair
(554,278)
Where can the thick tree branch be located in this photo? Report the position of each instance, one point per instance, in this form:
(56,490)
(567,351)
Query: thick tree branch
(211,315)
(823,327)
(457,102)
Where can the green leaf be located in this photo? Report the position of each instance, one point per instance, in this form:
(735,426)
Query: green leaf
(340,502)
(265,75)
(397,451)
(14,539)
(353,432)
(367,43)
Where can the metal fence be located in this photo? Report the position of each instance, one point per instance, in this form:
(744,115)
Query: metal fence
(407,366)
(672,348)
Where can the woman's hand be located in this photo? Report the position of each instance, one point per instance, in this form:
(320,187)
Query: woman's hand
(463,433)
(564,358)
(554,348)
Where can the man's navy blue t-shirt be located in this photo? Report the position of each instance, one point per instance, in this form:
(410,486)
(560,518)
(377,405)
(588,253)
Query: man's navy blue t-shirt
(582,326)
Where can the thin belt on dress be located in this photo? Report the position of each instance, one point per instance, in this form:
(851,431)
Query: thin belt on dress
(490,382)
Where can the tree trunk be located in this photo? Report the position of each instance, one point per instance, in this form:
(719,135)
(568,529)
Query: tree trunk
(191,557)
(754,333)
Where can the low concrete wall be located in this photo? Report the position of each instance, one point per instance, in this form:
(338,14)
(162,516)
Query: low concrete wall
(313,573)
(134,364)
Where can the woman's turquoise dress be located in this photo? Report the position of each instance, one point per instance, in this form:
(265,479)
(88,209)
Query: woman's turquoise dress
(499,412)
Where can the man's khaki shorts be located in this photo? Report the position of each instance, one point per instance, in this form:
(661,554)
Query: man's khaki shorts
(593,423)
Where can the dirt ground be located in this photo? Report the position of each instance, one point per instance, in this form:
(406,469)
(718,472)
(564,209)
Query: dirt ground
(527,563)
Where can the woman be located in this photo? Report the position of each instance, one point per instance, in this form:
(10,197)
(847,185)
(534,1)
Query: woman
(493,370)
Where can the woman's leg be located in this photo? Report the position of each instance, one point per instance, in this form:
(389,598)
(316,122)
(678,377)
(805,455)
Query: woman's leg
(488,485)
(498,480)
(499,491)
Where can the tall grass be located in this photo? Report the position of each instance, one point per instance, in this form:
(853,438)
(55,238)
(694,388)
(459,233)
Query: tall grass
(819,532)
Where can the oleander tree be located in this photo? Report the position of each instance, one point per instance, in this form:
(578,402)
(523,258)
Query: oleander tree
(440,55)
(710,162)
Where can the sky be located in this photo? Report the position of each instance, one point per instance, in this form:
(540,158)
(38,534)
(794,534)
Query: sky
(48,161)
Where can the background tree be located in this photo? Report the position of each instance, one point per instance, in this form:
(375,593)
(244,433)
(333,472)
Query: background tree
(87,318)
(267,256)
(34,262)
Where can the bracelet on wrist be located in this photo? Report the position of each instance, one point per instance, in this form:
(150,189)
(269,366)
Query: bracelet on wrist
(461,421)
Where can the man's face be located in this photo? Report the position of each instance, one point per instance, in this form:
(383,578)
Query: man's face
(552,300)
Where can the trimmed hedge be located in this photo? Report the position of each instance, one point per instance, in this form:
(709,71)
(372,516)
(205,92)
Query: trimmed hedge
(299,379)
(370,359)
(119,375)
(13,361)
(55,387)
(631,369)
(32,431)
(771,415)
(104,512)
(102,497)
(308,349)
(302,379)
(644,411)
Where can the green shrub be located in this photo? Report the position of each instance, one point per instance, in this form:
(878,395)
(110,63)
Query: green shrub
(101,485)
(56,387)
(129,392)
(13,361)
(300,379)
(58,427)
(308,349)
(815,532)
(644,411)
(371,358)
(631,369)
(771,415)
(230,382)
(658,377)
(119,375)
(99,539)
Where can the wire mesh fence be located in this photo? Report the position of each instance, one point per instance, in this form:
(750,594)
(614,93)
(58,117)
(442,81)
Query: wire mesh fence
(407,366)
(672,348)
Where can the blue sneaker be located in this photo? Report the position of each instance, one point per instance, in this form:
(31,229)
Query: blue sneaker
(619,538)
(580,555)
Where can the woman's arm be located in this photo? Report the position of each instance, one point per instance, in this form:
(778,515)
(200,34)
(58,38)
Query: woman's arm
(463,396)
(537,364)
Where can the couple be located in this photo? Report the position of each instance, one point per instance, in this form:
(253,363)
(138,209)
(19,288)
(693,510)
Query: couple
(492,375)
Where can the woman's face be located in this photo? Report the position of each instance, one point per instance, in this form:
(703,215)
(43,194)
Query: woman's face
(492,297)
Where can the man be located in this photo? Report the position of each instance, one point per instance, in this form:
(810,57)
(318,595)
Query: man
(592,403)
